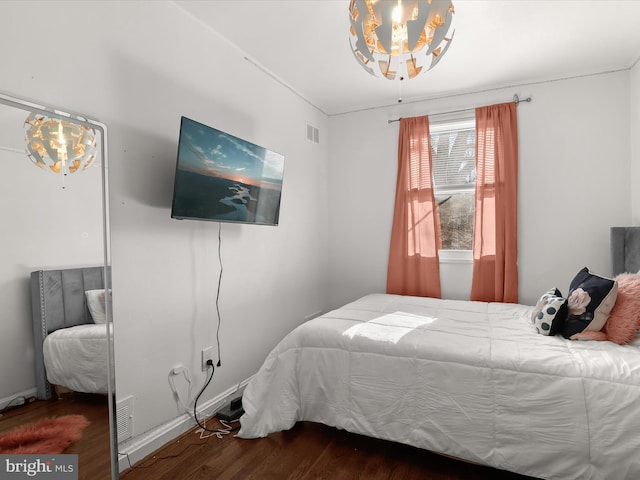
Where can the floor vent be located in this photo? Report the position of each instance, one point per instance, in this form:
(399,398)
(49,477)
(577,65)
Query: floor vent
(124,418)
(313,134)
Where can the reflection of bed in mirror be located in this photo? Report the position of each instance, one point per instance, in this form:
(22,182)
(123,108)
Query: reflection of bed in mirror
(69,330)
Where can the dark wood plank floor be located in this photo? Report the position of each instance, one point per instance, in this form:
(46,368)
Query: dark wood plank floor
(93,448)
(308,451)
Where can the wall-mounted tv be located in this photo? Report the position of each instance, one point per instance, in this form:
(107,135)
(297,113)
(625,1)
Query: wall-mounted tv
(223,178)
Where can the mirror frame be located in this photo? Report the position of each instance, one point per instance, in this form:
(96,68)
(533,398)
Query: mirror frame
(31,106)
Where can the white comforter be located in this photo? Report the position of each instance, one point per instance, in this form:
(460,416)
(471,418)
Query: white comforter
(467,379)
(76,358)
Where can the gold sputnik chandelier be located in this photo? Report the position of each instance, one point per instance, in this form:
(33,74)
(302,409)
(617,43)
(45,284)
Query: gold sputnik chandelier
(398,39)
(60,146)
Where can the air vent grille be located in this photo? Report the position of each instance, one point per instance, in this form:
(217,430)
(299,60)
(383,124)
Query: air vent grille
(313,134)
(124,418)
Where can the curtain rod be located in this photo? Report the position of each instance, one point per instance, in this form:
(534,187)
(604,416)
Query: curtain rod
(515,99)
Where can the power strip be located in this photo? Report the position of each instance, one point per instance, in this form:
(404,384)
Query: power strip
(231,412)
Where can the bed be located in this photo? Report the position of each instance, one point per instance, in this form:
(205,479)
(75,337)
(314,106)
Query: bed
(471,380)
(70,347)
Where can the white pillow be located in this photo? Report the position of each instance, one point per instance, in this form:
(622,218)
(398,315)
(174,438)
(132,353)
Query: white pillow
(95,302)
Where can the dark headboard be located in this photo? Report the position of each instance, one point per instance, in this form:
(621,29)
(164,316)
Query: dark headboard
(58,301)
(625,249)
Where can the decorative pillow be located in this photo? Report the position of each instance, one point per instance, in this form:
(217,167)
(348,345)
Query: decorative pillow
(550,313)
(95,302)
(591,299)
(624,320)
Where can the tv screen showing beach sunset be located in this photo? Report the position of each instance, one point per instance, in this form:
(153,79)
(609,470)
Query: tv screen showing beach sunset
(222,178)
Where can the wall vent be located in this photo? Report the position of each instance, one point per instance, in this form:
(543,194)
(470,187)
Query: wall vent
(313,134)
(124,418)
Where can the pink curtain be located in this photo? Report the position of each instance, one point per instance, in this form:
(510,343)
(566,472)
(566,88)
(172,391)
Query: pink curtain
(414,267)
(495,242)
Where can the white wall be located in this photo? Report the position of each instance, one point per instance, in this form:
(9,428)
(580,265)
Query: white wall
(634,115)
(139,66)
(573,185)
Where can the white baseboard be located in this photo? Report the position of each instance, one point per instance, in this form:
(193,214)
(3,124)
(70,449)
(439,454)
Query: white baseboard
(133,450)
(25,393)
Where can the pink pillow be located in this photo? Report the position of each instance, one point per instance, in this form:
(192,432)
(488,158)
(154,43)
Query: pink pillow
(624,320)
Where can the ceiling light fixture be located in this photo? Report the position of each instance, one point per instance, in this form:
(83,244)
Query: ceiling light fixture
(61,146)
(395,38)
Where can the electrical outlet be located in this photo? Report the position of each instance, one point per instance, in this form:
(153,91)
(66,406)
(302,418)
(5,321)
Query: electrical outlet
(207,354)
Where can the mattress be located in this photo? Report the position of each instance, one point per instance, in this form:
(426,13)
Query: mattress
(76,358)
(468,379)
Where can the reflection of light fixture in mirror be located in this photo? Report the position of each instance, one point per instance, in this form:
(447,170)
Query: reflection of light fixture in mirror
(395,37)
(62,146)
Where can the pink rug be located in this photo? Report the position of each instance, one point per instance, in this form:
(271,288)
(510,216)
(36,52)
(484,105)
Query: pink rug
(52,435)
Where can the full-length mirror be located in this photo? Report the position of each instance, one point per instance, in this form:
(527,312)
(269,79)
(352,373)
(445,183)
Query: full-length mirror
(56,350)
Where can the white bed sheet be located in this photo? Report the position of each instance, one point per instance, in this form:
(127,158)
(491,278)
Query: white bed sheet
(76,358)
(468,379)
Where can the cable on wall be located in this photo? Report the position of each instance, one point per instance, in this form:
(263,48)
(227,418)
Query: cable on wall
(195,403)
(218,432)
(218,292)
(187,377)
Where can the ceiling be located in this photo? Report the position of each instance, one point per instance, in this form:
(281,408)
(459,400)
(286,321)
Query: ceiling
(304,44)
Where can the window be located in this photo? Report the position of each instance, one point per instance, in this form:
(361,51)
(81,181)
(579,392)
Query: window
(453,146)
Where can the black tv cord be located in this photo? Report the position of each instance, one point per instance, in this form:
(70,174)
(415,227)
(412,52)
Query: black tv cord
(195,403)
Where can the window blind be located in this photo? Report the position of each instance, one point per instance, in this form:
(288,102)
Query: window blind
(453,157)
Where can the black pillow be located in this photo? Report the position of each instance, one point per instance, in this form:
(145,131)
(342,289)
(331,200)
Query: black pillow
(590,301)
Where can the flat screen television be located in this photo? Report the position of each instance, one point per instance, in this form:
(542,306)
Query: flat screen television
(222,178)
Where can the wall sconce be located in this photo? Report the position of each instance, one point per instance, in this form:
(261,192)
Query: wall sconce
(62,146)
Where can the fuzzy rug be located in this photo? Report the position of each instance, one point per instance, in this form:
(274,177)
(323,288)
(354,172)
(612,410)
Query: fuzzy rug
(52,435)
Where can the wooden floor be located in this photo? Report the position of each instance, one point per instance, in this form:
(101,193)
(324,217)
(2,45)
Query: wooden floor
(93,448)
(308,451)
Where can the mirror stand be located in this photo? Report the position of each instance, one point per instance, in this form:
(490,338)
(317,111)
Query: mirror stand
(52,225)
